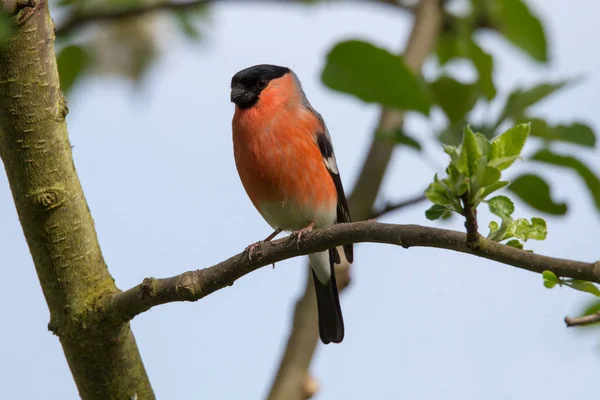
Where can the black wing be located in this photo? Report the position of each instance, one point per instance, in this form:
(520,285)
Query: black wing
(343,213)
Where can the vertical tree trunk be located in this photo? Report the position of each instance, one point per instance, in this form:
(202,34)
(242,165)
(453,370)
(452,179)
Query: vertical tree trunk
(56,221)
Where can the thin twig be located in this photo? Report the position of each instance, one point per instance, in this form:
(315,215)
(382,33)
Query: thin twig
(470,214)
(194,285)
(399,4)
(584,320)
(390,207)
(79,19)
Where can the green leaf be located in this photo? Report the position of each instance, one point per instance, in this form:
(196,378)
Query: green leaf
(517,23)
(550,279)
(186,24)
(502,162)
(515,243)
(469,154)
(72,61)
(521,99)
(436,211)
(535,191)
(375,76)
(452,151)
(501,206)
(452,45)
(491,176)
(448,46)
(456,99)
(525,230)
(484,64)
(550,276)
(484,144)
(493,225)
(577,132)
(437,193)
(583,286)
(591,308)
(539,127)
(452,134)
(590,179)
(549,284)
(455,181)
(487,190)
(508,146)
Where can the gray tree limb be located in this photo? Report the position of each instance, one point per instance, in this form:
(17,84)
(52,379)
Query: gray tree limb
(194,285)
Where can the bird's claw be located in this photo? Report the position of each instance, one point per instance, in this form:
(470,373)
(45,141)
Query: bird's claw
(253,248)
(299,233)
(256,246)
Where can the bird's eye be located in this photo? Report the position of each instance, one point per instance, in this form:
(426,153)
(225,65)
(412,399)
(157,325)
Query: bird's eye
(262,84)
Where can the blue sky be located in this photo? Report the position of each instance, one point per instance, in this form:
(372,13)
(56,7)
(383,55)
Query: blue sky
(158,173)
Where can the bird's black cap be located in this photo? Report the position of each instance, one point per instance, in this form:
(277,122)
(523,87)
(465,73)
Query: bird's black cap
(247,84)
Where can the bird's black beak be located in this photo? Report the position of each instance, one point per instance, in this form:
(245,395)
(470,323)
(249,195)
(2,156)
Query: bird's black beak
(237,92)
(243,97)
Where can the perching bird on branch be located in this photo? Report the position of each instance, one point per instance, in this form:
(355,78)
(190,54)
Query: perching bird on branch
(285,159)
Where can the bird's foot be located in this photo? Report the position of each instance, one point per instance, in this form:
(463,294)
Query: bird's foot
(299,233)
(255,247)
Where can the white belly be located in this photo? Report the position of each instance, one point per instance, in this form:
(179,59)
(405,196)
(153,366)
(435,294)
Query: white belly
(287,215)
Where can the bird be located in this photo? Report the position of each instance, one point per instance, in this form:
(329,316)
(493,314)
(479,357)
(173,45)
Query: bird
(285,160)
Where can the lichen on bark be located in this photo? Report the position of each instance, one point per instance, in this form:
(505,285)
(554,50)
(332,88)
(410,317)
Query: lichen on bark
(58,227)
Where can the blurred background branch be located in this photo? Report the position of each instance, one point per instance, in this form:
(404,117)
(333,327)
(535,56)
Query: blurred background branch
(302,340)
(391,207)
(77,19)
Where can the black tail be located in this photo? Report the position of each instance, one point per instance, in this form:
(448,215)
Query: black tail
(331,323)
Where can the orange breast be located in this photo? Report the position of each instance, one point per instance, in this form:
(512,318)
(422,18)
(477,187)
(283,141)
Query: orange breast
(279,162)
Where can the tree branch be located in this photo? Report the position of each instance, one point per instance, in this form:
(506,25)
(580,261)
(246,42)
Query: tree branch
(304,335)
(78,20)
(400,5)
(584,320)
(194,285)
(391,207)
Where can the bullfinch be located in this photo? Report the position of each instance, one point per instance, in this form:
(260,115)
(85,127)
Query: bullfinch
(285,160)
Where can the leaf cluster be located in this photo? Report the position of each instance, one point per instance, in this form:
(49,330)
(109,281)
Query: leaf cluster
(375,75)
(474,173)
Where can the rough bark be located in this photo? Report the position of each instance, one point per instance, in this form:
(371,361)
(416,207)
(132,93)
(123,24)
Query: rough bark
(53,212)
(194,285)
